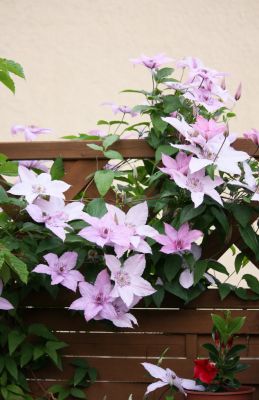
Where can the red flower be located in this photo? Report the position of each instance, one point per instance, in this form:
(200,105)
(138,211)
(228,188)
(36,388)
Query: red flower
(205,370)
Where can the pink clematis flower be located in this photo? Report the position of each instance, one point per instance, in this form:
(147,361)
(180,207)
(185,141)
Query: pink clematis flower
(96,300)
(32,185)
(121,109)
(30,132)
(169,377)
(218,151)
(131,229)
(189,62)
(151,62)
(177,241)
(4,304)
(253,135)
(199,185)
(100,229)
(123,319)
(179,163)
(127,278)
(55,214)
(61,269)
(34,164)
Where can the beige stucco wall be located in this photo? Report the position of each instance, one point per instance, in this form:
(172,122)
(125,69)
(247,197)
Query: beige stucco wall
(75,54)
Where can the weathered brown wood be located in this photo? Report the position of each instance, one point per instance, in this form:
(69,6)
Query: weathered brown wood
(208,299)
(152,320)
(77,149)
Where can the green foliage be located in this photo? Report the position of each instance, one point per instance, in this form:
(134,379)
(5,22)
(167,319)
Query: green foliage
(8,67)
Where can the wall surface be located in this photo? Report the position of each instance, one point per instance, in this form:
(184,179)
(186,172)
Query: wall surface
(75,54)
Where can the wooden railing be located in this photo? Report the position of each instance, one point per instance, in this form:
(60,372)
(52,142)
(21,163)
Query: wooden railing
(117,354)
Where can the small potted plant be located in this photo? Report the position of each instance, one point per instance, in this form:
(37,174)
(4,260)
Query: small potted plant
(215,376)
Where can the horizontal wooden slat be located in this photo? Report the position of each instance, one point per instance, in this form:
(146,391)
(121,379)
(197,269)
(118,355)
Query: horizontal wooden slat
(72,150)
(76,149)
(208,299)
(130,370)
(151,320)
(121,344)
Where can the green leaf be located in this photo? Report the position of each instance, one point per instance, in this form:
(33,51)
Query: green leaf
(11,367)
(158,296)
(250,238)
(252,282)
(18,266)
(163,73)
(221,218)
(189,212)
(217,266)
(41,331)
(95,146)
(172,266)
(7,81)
(240,258)
(63,394)
(211,348)
(12,66)
(235,324)
(109,140)
(113,155)
(242,214)
(9,168)
(79,375)
(77,393)
(26,354)
(210,169)
(171,103)
(176,289)
(103,180)
(224,290)
(164,149)
(200,268)
(15,338)
(57,170)
(158,123)
(96,208)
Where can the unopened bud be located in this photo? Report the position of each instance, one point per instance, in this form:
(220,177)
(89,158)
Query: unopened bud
(238,92)
(223,84)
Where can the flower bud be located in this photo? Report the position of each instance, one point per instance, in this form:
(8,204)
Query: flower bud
(238,92)
(223,84)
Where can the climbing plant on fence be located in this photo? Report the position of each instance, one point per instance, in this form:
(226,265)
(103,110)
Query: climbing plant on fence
(114,224)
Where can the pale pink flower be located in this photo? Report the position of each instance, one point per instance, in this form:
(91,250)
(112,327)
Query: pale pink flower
(32,185)
(151,62)
(206,130)
(253,135)
(177,241)
(121,109)
(4,304)
(179,163)
(199,185)
(100,230)
(96,300)
(55,214)
(217,151)
(127,278)
(123,319)
(30,132)
(61,269)
(34,164)
(169,377)
(131,229)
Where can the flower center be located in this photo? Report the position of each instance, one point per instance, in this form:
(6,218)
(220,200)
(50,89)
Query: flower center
(99,300)
(56,219)
(194,184)
(105,232)
(39,189)
(122,278)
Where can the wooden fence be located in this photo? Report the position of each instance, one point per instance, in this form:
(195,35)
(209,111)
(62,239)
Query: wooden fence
(117,353)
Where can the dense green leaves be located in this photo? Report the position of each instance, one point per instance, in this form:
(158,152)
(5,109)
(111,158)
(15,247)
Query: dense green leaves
(103,180)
